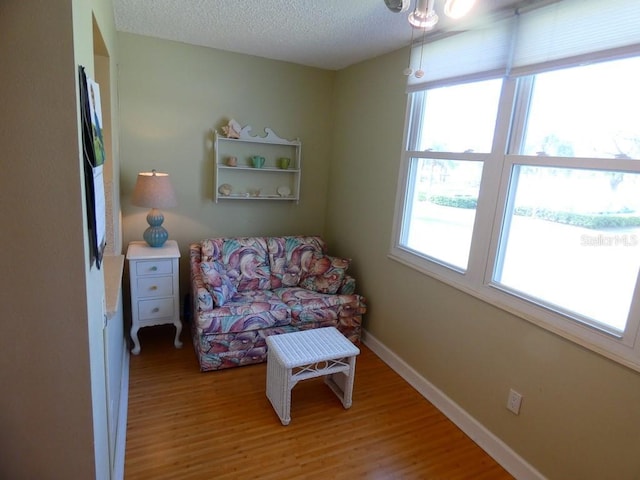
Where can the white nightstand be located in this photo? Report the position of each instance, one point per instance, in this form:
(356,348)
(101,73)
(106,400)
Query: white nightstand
(155,295)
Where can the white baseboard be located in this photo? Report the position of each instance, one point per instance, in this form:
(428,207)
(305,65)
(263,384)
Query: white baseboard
(121,435)
(496,448)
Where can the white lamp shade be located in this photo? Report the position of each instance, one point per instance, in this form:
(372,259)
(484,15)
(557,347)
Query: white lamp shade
(154,190)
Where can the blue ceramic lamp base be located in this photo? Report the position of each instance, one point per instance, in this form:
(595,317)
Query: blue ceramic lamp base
(156,234)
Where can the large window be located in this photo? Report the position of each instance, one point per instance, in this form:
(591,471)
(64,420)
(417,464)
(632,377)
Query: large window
(570,236)
(570,240)
(524,190)
(456,122)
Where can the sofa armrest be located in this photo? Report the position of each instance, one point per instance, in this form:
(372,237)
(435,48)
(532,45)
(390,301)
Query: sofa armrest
(202,299)
(348,286)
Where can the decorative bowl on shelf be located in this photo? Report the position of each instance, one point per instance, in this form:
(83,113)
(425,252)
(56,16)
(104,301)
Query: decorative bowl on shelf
(254,192)
(225,189)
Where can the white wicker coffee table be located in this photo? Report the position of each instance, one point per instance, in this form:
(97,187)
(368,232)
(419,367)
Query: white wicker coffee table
(296,356)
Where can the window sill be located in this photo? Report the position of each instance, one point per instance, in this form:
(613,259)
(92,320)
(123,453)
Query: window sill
(610,346)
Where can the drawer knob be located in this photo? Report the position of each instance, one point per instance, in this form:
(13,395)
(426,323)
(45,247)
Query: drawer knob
(154,268)
(153,287)
(155,310)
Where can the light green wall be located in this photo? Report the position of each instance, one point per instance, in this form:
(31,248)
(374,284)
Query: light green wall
(171,98)
(52,408)
(43,343)
(95,48)
(580,417)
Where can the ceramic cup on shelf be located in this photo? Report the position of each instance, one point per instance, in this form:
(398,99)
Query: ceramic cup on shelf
(283,162)
(232,161)
(257,161)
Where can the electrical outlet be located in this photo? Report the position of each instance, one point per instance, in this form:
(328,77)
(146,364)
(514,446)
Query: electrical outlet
(514,401)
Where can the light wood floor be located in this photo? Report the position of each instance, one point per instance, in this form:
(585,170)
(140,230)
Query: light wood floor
(183,424)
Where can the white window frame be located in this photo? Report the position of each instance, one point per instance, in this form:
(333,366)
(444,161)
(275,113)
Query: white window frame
(477,279)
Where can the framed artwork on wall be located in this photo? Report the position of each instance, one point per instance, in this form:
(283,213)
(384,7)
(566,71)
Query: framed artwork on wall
(94,156)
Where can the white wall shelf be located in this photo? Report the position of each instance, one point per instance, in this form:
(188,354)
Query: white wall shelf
(246,182)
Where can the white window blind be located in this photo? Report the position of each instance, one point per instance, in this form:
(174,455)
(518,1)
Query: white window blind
(473,55)
(563,33)
(575,31)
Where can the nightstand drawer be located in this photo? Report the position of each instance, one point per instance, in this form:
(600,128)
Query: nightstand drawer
(162,307)
(154,267)
(155,287)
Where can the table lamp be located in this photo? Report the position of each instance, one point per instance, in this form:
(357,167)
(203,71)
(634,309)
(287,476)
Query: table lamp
(154,190)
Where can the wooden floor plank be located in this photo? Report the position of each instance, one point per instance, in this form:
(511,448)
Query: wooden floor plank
(183,424)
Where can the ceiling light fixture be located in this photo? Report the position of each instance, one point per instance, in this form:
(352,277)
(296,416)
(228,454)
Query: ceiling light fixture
(458,8)
(423,16)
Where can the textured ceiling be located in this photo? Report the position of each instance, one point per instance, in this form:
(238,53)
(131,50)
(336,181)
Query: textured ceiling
(329,34)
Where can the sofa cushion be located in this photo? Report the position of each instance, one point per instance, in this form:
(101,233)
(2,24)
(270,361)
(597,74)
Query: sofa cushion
(308,306)
(217,282)
(288,254)
(210,249)
(248,310)
(324,274)
(245,259)
(225,350)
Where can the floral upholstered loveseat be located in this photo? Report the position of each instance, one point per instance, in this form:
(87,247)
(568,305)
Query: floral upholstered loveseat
(245,289)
